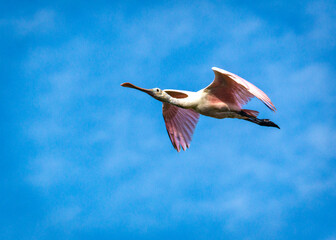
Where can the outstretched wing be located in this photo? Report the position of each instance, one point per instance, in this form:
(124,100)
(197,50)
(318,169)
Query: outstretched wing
(234,90)
(180,124)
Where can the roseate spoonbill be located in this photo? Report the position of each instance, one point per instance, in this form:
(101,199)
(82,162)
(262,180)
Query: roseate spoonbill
(223,98)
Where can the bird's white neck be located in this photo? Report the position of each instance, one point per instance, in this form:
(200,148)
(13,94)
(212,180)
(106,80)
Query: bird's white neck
(181,102)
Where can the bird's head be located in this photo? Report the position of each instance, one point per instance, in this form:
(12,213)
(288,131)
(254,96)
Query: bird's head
(156,93)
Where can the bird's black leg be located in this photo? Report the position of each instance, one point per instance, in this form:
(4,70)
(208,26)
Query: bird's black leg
(261,122)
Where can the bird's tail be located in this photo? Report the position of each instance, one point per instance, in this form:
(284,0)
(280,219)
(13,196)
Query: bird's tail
(252,118)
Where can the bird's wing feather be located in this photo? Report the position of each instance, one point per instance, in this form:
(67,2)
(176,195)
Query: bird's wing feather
(180,124)
(232,89)
(176,93)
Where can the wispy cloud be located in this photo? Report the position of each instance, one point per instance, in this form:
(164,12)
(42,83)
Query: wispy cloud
(42,21)
(49,171)
(324,14)
(91,132)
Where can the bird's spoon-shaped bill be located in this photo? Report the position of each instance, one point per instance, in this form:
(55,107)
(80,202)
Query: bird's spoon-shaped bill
(130,85)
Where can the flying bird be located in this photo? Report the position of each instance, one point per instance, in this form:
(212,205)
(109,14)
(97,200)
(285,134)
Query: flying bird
(223,98)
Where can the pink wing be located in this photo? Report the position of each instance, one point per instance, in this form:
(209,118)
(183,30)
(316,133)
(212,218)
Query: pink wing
(180,124)
(234,90)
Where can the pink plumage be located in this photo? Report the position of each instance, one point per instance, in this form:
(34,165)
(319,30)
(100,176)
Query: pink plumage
(223,98)
(180,124)
(234,90)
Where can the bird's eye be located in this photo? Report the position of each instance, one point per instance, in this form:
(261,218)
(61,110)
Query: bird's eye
(157,90)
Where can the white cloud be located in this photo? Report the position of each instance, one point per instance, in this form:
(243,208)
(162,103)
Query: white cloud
(66,214)
(324,14)
(42,21)
(331,237)
(48,171)
(135,164)
(322,138)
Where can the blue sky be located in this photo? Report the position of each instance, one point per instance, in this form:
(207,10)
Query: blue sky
(83,158)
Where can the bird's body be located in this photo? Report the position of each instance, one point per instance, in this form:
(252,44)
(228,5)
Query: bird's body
(205,104)
(223,98)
